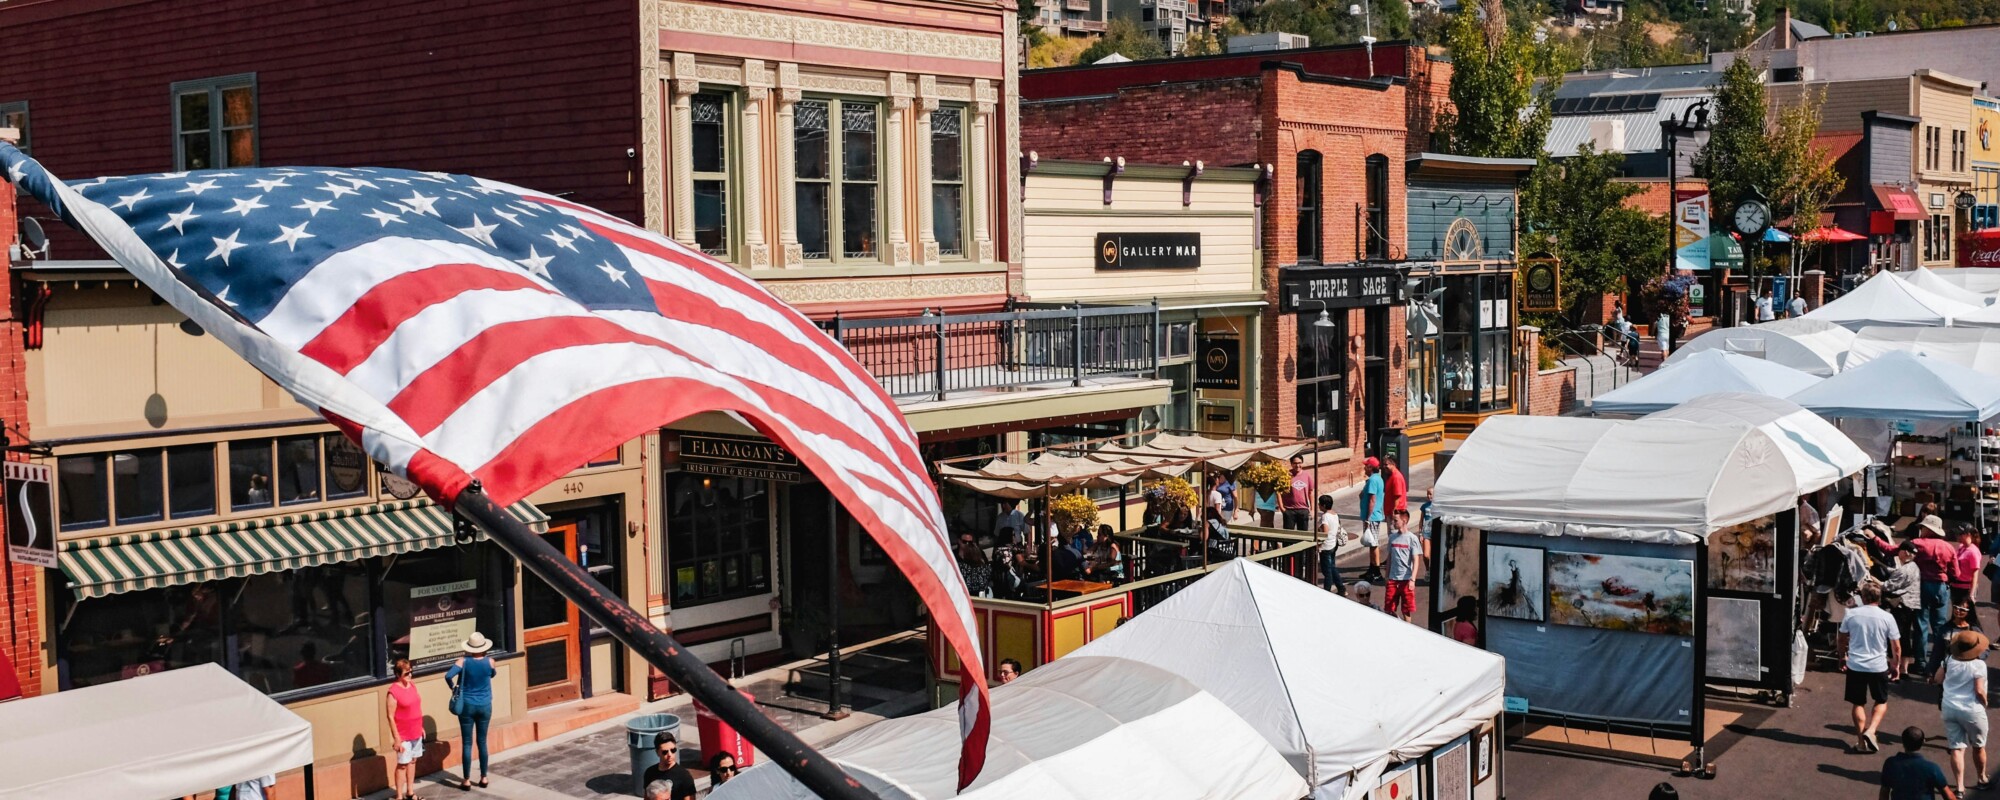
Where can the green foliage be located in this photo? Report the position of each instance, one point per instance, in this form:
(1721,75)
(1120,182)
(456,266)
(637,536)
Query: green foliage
(1500,88)
(1327,21)
(1853,16)
(1575,210)
(1122,36)
(1202,43)
(1056,51)
(1750,151)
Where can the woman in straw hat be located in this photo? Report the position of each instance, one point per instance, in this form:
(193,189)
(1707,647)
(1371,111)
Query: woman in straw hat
(1963,674)
(471,680)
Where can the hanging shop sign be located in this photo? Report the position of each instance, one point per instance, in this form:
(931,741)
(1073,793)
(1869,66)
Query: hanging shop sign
(738,457)
(1541,284)
(1218,363)
(31,528)
(1314,288)
(442,617)
(1691,247)
(346,465)
(1175,250)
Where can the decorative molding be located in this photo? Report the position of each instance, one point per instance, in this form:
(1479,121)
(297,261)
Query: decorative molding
(652,125)
(808,291)
(892,167)
(977,181)
(804,30)
(926,224)
(845,84)
(719,73)
(757,250)
(953,92)
(687,74)
(983,91)
(1328,127)
(790,253)
(680,164)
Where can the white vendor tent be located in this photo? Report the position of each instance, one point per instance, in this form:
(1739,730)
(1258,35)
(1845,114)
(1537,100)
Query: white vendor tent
(1078,728)
(1923,278)
(169,734)
(1984,280)
(1652,480)
(1809,345)
(1887,299)
(1817,451)
(1975,348)
(1705,372)
(1306,669)
(1903,385)
(1988,317)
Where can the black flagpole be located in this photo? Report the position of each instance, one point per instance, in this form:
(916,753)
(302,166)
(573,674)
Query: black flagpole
(816,771)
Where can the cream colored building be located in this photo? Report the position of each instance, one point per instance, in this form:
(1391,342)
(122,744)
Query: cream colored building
(1943,159)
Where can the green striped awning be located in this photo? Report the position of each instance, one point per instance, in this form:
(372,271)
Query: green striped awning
(155,559)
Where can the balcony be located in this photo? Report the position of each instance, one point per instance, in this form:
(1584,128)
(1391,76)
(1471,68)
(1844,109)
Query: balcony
(1076,5)
(1083,25)
(933,357)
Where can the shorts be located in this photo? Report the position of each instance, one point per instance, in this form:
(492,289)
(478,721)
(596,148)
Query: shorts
(1864,685)
(1371,534)
(408,752)
(1962,729)
(1400,598)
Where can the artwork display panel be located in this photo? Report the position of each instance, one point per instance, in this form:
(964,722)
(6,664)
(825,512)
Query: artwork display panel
(1460,557)
(1515,583)
(1622,593)
(1743,557)
(1735,639)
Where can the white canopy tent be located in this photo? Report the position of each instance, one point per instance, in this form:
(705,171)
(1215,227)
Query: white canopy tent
(1705,372)
(1888,299)
(1654,480)
(1923,278)
(1985,280)
(169,734)
(1303,667)
(1808,345)
(1976,348)
(1078,728)
(1988,317)
(1817,451)
(1904,385)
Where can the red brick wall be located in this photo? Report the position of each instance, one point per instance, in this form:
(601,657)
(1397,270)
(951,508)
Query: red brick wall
(1552,393)
(1215,121)
(22,638)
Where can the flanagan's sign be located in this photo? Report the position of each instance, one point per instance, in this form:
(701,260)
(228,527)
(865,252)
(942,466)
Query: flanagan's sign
(1148,250)
(738,458)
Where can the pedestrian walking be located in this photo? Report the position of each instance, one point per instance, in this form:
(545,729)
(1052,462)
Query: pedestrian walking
(1798,306)
(721,769)
(1937,560)
(1902,593)
(1965,577)
(669,774)
(1398,491)
(1372,508)
(1963,706)
(471,682)
(1766,307)
(1228,496)
(406,718)
(1407,558)
(1909,776)
(1872,656)
(1297,501)
(1330,539)
(264,788)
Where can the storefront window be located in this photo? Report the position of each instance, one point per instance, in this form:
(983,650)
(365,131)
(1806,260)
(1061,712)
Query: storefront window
(1496,352)
(304,628)
(719,537)
(434,599)
(250,474)
(298,469)
(136,486)
(139,633)
(1477,343)
(1420,364)
(82,501)
(191,480)
(1321,377)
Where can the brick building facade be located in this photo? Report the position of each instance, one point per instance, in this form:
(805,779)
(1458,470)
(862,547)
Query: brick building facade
(22,646)
(1331,127)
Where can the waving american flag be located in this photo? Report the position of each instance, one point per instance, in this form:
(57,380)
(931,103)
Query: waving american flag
(462,329)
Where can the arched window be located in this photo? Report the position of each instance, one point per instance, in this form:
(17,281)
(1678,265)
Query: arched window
(1377,235)
(1309,207)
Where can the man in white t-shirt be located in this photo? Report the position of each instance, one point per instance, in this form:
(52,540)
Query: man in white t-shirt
(1798,306)
(1872,657)
(1765,311)
(1330,536)
(264,788)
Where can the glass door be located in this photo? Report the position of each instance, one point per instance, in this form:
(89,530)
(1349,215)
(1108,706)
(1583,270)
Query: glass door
(551,634)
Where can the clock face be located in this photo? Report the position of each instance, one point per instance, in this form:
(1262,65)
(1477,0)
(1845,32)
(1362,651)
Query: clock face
(1752,217)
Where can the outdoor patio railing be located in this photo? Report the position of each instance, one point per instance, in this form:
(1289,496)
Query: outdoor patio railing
(934,355)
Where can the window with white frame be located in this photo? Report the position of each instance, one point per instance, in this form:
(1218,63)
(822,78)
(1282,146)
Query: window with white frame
(710,166)
(836,152)
(215,123)
(15,115)
(948,159)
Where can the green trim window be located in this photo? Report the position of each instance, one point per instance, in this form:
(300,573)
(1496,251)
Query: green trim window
(838,171)
(710,168)
(1321,397)
(1478,367)
(948,198)
(215,123)
(1420,366)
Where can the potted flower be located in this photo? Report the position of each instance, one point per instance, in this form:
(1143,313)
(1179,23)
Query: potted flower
(1268,479)
(1072,512)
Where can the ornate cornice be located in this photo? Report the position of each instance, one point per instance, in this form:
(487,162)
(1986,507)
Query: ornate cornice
(851,290)
(797,29)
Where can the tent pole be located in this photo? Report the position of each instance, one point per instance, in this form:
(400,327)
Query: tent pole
(818,773)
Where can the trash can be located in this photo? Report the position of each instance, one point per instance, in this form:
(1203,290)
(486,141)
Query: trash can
(639,733)
(718,736)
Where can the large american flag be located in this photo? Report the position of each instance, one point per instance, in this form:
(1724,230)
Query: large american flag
(462,329)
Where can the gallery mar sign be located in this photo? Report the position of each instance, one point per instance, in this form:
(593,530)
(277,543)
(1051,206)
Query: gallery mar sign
(1171,250)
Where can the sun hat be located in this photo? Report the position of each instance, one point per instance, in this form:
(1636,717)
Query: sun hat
(1968,645)
(1932,525)
(477,643)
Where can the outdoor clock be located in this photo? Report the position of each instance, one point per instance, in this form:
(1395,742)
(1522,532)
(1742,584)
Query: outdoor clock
(1752,217)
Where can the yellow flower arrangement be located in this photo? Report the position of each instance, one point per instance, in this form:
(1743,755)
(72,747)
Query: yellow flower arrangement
(1073,511)
(1267,477)
(1179,493)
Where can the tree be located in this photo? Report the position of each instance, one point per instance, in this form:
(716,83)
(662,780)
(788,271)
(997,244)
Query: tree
(1576,211)
(1329,21)
(1202,43)
(1056,51)
(1502,79)
(1123,37)
(1752,150)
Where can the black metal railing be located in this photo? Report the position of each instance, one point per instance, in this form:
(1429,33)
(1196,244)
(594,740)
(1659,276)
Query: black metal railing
(937,354)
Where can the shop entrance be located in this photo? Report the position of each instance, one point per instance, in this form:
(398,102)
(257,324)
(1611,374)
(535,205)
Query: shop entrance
(1375,376)
(1218,418)
(551,637)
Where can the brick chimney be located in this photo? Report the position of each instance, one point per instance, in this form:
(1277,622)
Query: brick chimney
(1784,27)
(21,653)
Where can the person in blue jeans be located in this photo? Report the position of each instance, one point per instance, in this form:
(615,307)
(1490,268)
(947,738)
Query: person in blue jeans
(471,676)
(1330,535)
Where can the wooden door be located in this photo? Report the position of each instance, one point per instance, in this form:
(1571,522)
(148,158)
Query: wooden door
(550,639)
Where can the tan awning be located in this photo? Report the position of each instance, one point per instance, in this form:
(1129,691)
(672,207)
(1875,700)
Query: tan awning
(1167,455)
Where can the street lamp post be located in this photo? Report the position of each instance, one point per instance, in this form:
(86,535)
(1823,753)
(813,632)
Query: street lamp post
(1693,119)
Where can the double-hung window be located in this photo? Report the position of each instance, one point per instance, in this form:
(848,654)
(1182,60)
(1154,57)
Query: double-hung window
(710,167)
(215,123)
(1308,207)
(948,158)
(839,178)
(1320,399)
(1377,238)
(15,115)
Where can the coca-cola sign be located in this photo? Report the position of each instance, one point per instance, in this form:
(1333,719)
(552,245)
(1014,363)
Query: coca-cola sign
(1979,249)
(1982,258)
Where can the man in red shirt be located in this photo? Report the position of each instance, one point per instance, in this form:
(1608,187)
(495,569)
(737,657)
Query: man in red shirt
(1398,494)
(1297,500)
(1937,563)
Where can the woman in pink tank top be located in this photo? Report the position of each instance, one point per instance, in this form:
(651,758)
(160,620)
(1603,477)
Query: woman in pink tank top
(406,717)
